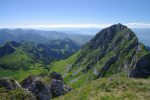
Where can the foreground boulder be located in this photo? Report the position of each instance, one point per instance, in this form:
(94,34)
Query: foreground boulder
(42,87)
(37,87)
(55,75)
(46,87)
(57,85)
(9,84)
(57,88)
(10,89)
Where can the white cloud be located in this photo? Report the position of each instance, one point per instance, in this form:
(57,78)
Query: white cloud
(138,25)
(62,26)
(130,25)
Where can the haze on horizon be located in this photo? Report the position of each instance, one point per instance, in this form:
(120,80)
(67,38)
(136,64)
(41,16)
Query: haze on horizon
(74,13)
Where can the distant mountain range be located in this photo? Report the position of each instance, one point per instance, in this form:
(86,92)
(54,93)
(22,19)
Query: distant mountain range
(39,36)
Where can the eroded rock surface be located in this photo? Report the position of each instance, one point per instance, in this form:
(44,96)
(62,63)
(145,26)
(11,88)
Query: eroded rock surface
(44,90)
(37,87)
(9,84)
(57,86)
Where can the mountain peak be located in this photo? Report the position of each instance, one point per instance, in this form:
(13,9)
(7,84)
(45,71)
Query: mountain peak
(117,27)
(107,35)
(119,24)
(113,50)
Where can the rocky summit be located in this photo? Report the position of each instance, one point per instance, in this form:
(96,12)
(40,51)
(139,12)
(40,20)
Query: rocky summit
(120,48)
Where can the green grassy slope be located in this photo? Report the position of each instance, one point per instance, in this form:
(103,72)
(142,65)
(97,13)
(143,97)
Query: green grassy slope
(64,67)
(59,66)
(16,94)
(20,75)
(115,88)
(19,64)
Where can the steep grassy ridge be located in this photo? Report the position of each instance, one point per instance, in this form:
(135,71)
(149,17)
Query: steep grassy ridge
(113,51)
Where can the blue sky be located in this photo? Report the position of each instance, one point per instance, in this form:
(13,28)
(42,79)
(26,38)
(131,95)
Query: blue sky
(81,13)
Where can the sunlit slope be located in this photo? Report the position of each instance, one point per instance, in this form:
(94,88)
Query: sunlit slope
(115,88)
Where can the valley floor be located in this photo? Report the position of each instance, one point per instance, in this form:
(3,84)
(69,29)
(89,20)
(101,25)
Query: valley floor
(117,88)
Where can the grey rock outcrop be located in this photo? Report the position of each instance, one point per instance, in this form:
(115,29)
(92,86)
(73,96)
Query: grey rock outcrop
(46,90)
(56,76)
(142,69)
(57,86)
(9,84)
(107,65)
(37,87)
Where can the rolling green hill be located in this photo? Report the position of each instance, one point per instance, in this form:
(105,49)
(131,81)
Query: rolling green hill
(19,60)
